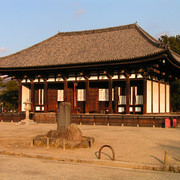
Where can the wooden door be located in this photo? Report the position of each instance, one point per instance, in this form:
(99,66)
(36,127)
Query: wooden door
(52,100)
(93,100)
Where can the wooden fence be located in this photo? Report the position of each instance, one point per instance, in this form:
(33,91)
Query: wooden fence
(96,119)
(123,120)
(12,117)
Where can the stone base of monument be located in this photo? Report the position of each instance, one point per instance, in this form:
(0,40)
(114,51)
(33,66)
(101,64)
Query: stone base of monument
(71,139)
(26,122)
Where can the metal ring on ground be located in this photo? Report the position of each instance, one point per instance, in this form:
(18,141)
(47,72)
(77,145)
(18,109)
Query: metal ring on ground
(113,152)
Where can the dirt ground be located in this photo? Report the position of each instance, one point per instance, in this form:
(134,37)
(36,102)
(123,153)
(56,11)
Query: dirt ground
(131,144)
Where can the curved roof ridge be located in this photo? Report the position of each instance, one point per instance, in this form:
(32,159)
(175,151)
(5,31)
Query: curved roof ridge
(151,39)
(129,26)
(174,54)
(116,28)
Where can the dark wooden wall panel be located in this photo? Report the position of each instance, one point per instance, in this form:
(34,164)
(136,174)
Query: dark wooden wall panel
(52,100)
(36,96)
(103,105)
(93,100)
(81,106)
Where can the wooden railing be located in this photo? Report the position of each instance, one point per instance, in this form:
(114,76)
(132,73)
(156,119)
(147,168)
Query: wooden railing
(12,117)
(123,120)
(96,119)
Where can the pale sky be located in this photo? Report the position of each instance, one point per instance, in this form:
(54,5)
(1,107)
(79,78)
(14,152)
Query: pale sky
(24,23)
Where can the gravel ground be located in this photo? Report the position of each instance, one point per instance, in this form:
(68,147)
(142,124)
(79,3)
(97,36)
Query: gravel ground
(131,144)
(22,168)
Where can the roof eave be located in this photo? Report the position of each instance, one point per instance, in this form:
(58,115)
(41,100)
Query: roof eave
(85,65)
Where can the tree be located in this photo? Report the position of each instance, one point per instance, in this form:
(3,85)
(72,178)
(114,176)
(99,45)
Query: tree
(9,96)
(174,42)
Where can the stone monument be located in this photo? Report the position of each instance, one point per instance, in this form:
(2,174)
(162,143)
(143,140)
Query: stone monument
(64,117)
(67,135)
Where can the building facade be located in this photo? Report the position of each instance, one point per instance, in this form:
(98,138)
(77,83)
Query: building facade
(114,70)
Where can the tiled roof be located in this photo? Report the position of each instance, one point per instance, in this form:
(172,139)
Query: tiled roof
(127,42)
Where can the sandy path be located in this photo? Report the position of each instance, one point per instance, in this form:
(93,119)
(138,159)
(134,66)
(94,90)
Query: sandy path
(131,144)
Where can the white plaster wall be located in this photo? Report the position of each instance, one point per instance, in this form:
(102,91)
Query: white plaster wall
(132,76)
(138,109)
(93,78)
(167,98)
(36,80)
(51,80)
(103,77)
(25,96)
(80,78)
(139,99)
(155,97)
(71,79)
(59,79)
(162,98)
(122,100)
(115,77)
(120,109)
(149,94)
(139,76)
(122,77)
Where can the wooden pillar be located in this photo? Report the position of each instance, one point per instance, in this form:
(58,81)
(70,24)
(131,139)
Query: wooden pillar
(110,93)
(45,96)
(87,95)
(20,96)
(116,99)
(65,89)
(32,95)
(75,95)
(134,99)
(127,93)
(144,94)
